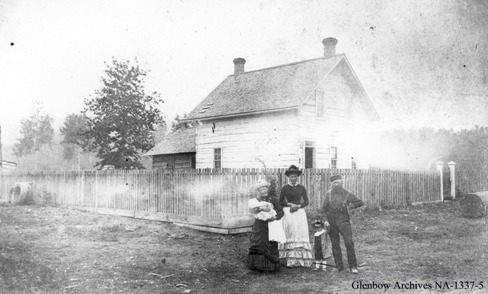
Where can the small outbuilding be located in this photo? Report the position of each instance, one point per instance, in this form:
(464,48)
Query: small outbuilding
(175,151)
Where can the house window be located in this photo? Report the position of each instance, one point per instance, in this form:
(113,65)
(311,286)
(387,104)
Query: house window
(333,157)
(218,158)
(320,104)
(309,154)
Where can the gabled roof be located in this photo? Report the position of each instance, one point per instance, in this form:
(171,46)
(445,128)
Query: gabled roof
(180,141)
(270,89)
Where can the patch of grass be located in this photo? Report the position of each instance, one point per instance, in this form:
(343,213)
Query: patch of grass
(20,271)
(113,227)
(56,250)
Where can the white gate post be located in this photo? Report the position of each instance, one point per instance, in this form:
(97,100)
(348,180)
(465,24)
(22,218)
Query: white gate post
(452,174)
(439,165)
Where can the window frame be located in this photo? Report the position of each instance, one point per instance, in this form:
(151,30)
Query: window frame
(219,160)
(334,158)
(320,104)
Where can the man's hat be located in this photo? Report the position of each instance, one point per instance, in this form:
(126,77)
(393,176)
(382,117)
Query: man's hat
(318,223)
(293,170)
(335,178)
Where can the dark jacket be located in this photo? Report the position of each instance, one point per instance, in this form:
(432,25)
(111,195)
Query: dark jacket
(293,194)
(335,204)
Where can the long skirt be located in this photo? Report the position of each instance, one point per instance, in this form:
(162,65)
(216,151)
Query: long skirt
(264,257)
(263,253)
(296,251)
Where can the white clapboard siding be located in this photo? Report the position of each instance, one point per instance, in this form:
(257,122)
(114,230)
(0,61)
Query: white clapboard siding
(278,139)
(328,131)
(247,140)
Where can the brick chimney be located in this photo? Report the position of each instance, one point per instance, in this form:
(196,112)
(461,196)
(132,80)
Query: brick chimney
(239,65)
(329,47)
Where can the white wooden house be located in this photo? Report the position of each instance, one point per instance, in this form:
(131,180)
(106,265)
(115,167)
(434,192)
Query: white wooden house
(298,113)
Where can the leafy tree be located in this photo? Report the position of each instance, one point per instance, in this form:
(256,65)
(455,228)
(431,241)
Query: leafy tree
(36,131)
(72,131)
(121,118)
(469,148)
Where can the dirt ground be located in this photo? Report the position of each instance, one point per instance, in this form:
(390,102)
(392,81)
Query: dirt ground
(61,250)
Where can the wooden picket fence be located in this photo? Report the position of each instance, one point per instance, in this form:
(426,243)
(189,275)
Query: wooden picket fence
(215,199)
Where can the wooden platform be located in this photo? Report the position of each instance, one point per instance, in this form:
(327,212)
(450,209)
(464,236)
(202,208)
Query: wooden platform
(233,225)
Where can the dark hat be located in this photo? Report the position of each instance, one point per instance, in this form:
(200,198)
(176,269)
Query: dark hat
(293,170)
(318,223)
(335,178)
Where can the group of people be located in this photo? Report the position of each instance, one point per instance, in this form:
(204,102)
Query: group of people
(280,233)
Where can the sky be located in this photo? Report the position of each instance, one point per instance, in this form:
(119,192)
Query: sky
(422,63)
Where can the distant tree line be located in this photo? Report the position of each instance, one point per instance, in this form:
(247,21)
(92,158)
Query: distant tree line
(421,148)
(36,131)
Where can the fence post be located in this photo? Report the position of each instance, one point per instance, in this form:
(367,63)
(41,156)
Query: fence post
(439,165)
(452,177)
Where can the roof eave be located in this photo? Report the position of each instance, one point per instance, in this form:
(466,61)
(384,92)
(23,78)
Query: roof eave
(320,82)
(241,114)
(172,153)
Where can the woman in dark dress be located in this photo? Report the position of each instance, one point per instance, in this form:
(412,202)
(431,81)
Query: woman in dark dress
(263,254)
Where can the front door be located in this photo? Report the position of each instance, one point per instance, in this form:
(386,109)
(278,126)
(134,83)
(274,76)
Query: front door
(309,157)
(309,154)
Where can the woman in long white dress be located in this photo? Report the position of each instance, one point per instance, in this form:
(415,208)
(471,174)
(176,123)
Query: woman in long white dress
(296,251)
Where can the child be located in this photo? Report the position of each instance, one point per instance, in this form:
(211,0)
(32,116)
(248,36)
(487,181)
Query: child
(275,228)
(320,245)
(262,215)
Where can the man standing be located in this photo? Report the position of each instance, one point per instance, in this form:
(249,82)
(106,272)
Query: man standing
(335,208)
